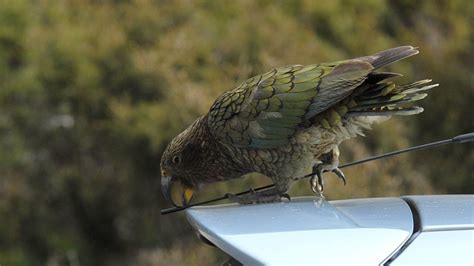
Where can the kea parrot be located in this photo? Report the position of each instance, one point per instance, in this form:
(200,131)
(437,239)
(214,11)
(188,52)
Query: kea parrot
(288,123)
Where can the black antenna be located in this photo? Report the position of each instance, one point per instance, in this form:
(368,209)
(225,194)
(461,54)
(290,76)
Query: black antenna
(458,139)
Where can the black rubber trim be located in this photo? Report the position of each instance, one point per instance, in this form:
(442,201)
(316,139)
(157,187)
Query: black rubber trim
(205,240)
(416,230)
(231,262)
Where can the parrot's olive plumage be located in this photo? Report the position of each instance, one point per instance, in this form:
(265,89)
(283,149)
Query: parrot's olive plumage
(287,123)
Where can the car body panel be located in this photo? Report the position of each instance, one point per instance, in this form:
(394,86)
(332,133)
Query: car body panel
(446,231)
(444,212)
(410,230)
(307,231)
(453,247)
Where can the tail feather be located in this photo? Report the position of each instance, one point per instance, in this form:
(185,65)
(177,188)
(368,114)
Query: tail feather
(376,77)
(378,96)
(385,98)
(389,56)
(405,111)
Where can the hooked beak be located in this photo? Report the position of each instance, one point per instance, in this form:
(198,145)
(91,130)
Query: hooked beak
(186,191)
(166,188)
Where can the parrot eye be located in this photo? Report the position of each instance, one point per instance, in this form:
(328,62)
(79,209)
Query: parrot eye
(176,159)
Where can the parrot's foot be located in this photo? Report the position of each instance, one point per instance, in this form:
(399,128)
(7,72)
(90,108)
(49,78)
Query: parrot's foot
(255,198)
(328,162)
(317,180)
(258,197)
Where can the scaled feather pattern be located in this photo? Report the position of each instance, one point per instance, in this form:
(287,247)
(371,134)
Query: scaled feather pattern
(289,121)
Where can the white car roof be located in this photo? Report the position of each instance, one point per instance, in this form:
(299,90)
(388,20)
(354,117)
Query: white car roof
(309,230)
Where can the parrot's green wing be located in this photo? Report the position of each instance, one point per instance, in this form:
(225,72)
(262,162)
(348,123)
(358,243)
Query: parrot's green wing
(266,110)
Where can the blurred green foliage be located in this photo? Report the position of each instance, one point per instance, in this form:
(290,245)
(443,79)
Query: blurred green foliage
(92,91)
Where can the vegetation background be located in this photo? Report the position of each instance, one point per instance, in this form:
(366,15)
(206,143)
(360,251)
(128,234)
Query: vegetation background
(92,91)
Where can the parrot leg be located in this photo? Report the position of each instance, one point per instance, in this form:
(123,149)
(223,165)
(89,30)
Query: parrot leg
(329,162)
(274,194)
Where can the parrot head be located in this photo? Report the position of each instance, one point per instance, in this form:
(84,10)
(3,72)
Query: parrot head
(183,162)
(175,174)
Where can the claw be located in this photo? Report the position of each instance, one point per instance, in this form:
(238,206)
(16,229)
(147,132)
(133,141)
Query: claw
(320,182)
(314,184)
(317,181)
(286,196)
(340,174)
